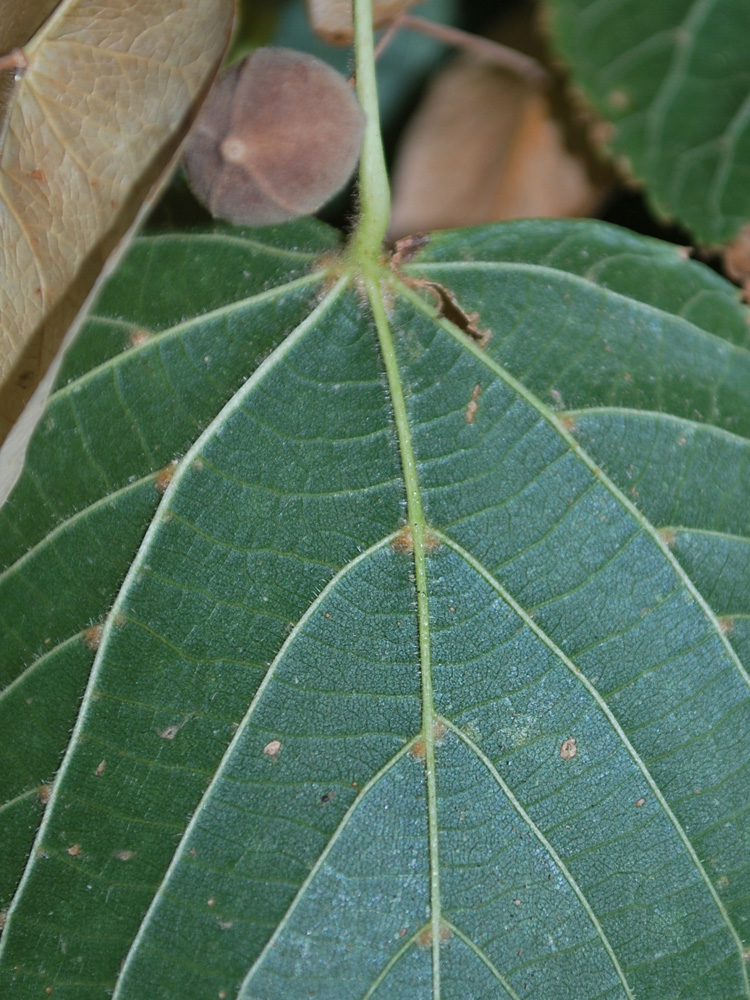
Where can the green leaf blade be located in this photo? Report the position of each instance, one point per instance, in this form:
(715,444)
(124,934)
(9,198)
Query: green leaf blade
(672,80)
(296,795)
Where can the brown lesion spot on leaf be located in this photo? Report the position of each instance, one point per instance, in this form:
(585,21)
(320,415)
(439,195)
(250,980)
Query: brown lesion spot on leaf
(726,624)
(424,938)
(139,336)
(123,855)
(640,803)
(164,476)
(403,541)
(473,405)
(446,301)
(100,768)
(668,536)
(74,850)
(567,422)
(92,636)
(272,748)
(418,750)
(568,748)
(43,793)
(407,248)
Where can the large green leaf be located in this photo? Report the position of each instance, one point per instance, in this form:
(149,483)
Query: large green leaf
(310,761)
(672,78)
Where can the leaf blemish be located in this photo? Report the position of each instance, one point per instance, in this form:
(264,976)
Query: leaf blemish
(272,749)
(100,768)
(567,423)
(473,405)
(568,748)
(726,624)
(92,636)
(74,850)
(43,793)
(123,855)
(139,337)
(403,541)
(164,476)
(640,803)
(668,537)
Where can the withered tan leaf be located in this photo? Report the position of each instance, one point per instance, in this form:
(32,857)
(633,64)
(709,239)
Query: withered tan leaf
(486,145)
(90,124)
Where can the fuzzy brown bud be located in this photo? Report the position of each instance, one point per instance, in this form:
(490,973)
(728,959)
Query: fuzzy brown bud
(279,134)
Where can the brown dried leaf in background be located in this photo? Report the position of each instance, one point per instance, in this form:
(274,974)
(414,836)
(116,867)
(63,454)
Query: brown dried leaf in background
(331,20)
(484,146)
(89,127)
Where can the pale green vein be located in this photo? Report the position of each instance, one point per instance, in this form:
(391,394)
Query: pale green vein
(536,831)
(541,271)
(48,654)
(684,35)
(180,329)
(120,605)
(710,430)
(614,723)
(366,789)
(418,527)
(553,419)
(69,522)
(191,238)
(21,797)
(483,958)
(723,536)
(392,962)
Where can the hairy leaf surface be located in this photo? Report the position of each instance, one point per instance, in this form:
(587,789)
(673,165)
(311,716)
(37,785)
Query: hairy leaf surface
(672,78)
(504,753)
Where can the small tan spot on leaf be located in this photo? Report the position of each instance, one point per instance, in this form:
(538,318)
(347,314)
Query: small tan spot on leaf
(568,748)
(3,917)
(222,995)
(723,881)
(225,924)
(445,932)
(43,793)
(170,732)
(403,541)
(567,422)
(123,855)
(92,636)
(100,767)
(417,750)
(726,624)
(211,902)
(473,405)
(164,476)
(74,850)
(516,902)
(48,990)
(640,803)
(746,954)
(431,541)
(439,731)
(139,337)
(425,937)
(272,748)
(192,852)
(668,537)
(681,441)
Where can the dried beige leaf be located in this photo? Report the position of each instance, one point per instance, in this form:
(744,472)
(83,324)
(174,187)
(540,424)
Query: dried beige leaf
(89,127)
(484,146)
(331,20)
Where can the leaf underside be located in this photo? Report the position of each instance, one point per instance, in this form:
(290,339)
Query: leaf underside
(250,805)
(673,80)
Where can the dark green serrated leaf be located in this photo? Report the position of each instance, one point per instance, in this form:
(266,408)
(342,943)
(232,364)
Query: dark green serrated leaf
(513,761)
(673,79)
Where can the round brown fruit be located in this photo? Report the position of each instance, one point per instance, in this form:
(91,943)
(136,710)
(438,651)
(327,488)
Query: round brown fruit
(279,134)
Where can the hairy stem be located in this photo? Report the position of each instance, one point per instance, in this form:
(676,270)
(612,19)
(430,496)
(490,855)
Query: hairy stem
(374,193)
